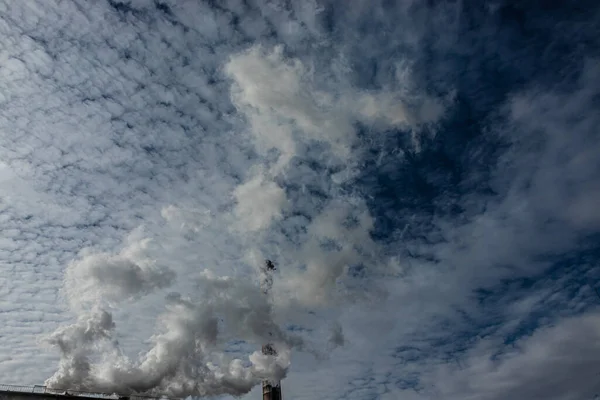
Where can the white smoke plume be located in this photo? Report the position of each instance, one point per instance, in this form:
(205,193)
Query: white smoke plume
(327,236)
(260,202)
(131,273)
(185,357)
(76,342)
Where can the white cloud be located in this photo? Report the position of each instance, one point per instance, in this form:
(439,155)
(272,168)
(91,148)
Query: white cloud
(545,183)
(338,238)
(556,362)
(259,202)
(245,131)
(284,105)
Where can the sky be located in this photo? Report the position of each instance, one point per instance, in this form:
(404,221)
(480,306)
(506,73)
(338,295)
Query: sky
(424,174)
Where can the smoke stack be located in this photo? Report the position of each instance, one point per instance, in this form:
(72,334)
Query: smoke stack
(271,390)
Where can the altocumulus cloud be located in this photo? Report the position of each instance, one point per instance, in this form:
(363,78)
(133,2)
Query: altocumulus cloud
(425,177)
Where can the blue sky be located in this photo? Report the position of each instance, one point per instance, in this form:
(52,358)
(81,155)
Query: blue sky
(425,175)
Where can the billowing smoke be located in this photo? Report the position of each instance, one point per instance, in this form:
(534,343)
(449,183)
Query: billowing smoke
(104,277)
(76,342)
(186,355)
(318,233)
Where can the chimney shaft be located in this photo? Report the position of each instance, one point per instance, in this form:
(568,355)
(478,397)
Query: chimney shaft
(271,390)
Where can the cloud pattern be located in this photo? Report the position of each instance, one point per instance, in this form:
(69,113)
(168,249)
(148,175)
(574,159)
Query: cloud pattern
(425,177)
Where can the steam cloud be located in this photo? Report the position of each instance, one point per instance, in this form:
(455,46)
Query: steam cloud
(184,357)
(325,234)
(109,277)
